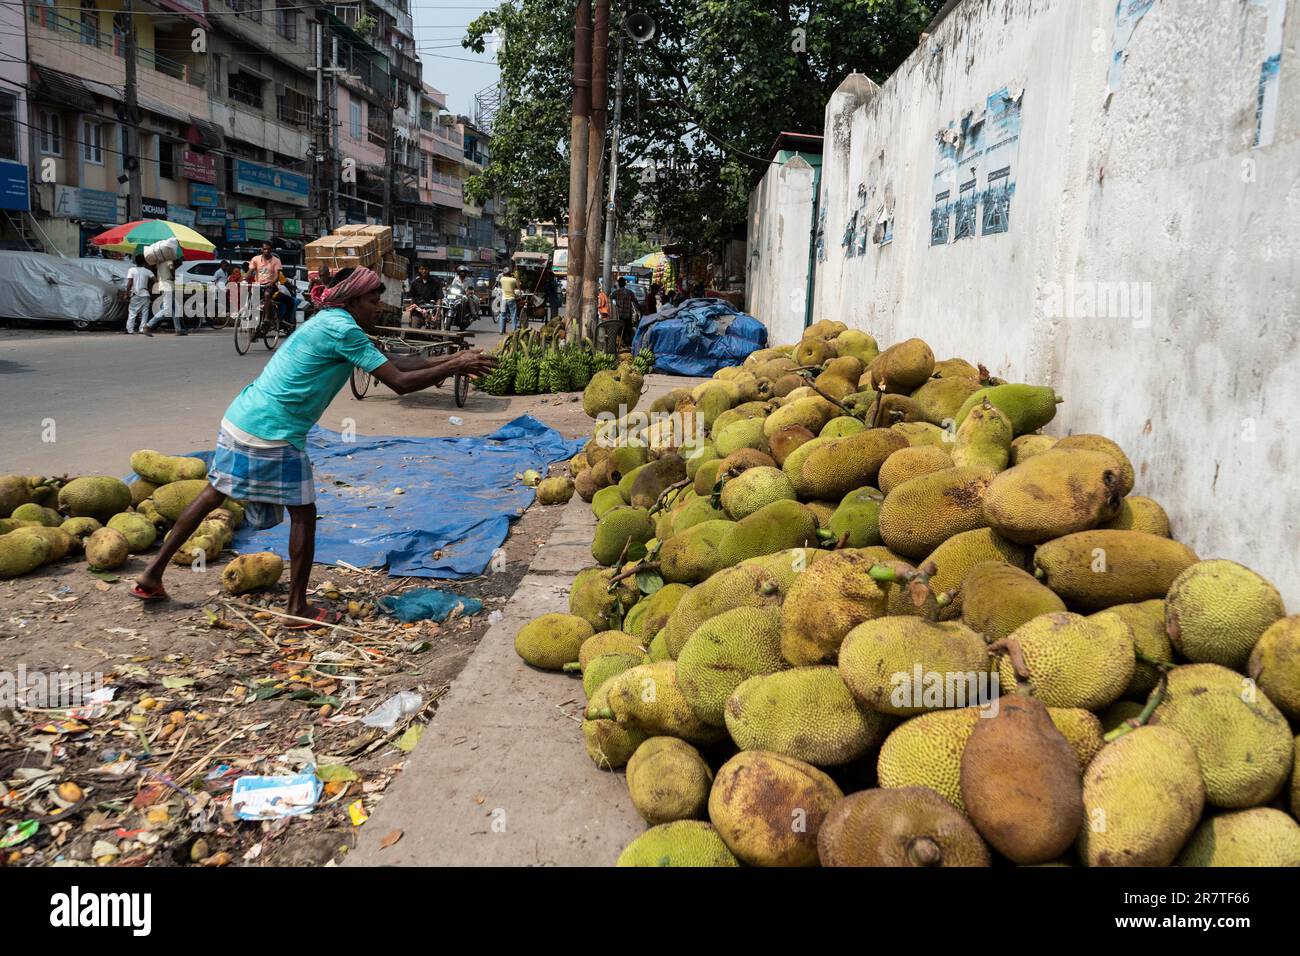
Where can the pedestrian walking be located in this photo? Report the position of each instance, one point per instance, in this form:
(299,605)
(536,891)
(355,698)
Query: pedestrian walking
(509,300)
(138,282)
(166,289)
(626,307)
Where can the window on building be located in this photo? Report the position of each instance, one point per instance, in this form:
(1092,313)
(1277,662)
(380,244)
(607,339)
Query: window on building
(8,126)
(245,88)
(286,19)
(50,128)
(249,8)
(89,23)
(292,107)
(354,119)
(167,158)
(92,142)
(424,165)
(378,127)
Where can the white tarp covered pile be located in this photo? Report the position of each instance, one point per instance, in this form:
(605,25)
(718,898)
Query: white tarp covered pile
(45,288)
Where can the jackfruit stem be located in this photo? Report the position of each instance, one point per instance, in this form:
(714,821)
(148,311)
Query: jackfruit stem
(661,502)
(572,667)
(630,572)
(923,851)
(603,713)
(1011,647)
(1153,701)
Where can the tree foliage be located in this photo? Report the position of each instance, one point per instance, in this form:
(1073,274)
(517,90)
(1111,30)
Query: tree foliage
(703,101)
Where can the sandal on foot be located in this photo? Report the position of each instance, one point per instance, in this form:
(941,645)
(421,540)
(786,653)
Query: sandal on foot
(322,618)
(148,594)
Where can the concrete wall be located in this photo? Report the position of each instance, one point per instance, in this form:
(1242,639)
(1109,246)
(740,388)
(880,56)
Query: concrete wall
(1149,271)
(778,264)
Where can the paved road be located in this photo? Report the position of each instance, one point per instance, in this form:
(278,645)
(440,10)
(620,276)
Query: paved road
(101,395)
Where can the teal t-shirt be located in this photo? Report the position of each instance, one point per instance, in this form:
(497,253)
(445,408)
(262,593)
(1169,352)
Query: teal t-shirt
(302,378)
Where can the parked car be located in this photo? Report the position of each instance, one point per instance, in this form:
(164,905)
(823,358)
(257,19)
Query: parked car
(44,288)
(110,270)
(197,274)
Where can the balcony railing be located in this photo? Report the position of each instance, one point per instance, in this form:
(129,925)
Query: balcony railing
(53,21)
(248,99)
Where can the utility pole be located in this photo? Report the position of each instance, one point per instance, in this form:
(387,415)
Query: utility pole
(331,111)
(578,130)
(320,146)
(134,188)
(611,211)
(596,161)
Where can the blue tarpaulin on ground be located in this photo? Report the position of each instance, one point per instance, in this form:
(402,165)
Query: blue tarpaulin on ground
(458,498)
(699,336)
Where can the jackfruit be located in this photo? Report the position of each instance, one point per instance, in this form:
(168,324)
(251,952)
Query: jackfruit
(1073,661)
(1107,447)
(907,665)
(793,464)
(908,826)
(812,413)
(96,497)
(652,480)
(1147,621)
(923,433)
(1027,446)
(650,698)
(696,511)
(585,485)
(604,666)
(924,512)
(926,751)
(1082,729)
(162,469)
(1215,611)
(611,392)
(835,386)
(723,652)
(741,413)
(591,598)
(826,602)
(34,512)
(958,368)
(1242,741)
(140,490)
(1029,407)
(714,400)
(955,557)
(554,491)
(786,384)
(939,399)
(1120,713)
(704,451)
(1244,838)
(706,477)
(138,530)
(856,521)
(983,439)
(842,426)
(822,511)
(1021,784)
(912,462)
(251,572)
(61,543)
(80,529)
(997,598)
(607,642)
(883,410)
(622,461)
(759,582)
(747,433)
(744,459)
(552,640)
(1096,569)
(657,608)
(1139,514)
(753,489)
(756,799)
(658,649)
(15,490)
(785,440)
(173,498)
(1053,494)
(841,465)
(1142,797)
(623,530)
(774,368)
(609,743)
(903,367)
(772,528)
(106,550)
(858,344)
(682,843)
(692,555)
(806,713)
(21,553)
(605,499)
(812,351)
(668,780)
(1275,665)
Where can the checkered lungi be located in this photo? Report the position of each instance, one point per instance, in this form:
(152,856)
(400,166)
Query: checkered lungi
(265,478)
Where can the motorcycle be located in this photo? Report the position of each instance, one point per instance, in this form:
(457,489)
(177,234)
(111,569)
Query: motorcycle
(459,309)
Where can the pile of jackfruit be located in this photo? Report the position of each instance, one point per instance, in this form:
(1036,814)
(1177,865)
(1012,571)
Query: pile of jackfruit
(107,520)
(854,607)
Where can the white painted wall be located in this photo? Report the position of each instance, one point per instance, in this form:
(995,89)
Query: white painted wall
(780,230)
(1158,185)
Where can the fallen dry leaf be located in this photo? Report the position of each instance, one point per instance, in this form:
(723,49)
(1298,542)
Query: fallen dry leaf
(392,837)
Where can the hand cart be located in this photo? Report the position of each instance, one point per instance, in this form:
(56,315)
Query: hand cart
(398,342)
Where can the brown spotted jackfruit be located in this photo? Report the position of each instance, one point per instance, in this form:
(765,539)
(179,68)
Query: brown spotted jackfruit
(923,512)
(1092,570)
(1053,494)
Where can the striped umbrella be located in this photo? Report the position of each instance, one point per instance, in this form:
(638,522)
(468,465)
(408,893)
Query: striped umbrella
(134,236)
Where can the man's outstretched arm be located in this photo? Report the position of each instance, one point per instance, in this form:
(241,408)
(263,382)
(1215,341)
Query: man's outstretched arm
(426,372)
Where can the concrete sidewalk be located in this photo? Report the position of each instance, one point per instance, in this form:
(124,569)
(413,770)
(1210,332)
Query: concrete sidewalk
(501,777)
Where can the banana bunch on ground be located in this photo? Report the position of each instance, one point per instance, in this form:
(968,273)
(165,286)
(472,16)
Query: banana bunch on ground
(107,520)
(857,607)
(546,360)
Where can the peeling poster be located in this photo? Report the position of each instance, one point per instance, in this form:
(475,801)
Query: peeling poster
(1267,97)
(1128,14)
(975,171)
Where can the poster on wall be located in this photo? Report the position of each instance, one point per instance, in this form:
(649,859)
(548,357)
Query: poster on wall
(975,171)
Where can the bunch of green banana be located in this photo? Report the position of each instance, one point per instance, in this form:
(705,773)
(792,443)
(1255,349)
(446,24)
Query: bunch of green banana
(528,369)
(501,379)
(644,361)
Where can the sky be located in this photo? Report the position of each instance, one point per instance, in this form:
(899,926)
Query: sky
(460,73)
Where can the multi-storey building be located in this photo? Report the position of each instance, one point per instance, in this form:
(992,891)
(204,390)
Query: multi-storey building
(14,174)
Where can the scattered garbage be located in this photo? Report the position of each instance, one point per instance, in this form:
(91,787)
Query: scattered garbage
(387,714)
(428,604)
(266,798)
(456,420)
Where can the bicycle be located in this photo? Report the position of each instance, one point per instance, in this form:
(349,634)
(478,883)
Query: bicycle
(250,327)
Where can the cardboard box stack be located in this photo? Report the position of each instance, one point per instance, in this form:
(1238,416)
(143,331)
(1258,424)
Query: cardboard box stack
(350,245)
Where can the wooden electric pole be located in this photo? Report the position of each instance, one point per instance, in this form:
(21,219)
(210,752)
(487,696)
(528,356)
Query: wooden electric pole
(578,131)
(595,162)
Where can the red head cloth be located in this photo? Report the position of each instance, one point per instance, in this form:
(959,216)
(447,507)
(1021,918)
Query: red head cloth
(361,281)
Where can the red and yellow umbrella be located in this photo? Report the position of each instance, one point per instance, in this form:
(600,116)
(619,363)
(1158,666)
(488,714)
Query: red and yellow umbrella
(134,236)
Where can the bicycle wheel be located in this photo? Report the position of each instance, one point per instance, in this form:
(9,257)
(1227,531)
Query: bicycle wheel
(359,383)
(245,328)
(271,337)
(461,389)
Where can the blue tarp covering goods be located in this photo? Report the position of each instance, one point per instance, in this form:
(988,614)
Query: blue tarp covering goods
(458,498)
(699,336)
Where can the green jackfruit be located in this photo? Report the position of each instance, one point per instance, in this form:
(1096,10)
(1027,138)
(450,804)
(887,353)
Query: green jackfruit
(696,511)
(604,666)
(923,433)
(657,608)
(552,640)
(1275,665)
(96,497)
(812,351)
(908,826)
(842,427)
(1244,838)
(61,542)
(941,398)
(1082,729)
(956,556)
(1029,407)
(649,698)
(138,530)
(1215,611)
(856,522)
(106,550)
(605,499)
(554,491)
(607,642)
(1073,661)
(1147,620)
(812,413)
(611,392)
(907,665)
(15,490)
(784,441)
(926,751)
(21,553)
(713,401)
(680,843)
(806,713)
(997,598)
(753,489)
(1104,445)
(173,498)
(747,433)
(1027,446)
(724,651)
(609,743)
(1242,741)
(840,465)
(775,527)
(163,469)
(1140,514)
(924,512)
(622,531)
(1096,569)
(754,800)
(983,439)
(903,367)
(826,602)
(80,529)
(706,477)
(1142,797)
(699,454)
(658,649)
(693,555)
(591,599)
(742,460)
(41,515)
(912,462)
(668,780)
(1053,494)
(858,344)
(622,461)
